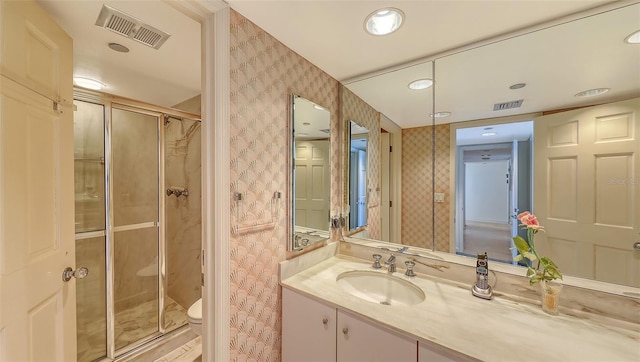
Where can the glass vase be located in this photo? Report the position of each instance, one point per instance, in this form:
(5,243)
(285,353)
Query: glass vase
(550,292)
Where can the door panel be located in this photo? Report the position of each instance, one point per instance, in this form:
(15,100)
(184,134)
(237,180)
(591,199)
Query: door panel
(37,53)
(37,320)
(586,190)
(312,184)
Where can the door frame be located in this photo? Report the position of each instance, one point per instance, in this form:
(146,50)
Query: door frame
(215,19)
(395,178)
(454,169)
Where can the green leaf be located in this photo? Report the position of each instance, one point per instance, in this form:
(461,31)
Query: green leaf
(530,272)
(521,244)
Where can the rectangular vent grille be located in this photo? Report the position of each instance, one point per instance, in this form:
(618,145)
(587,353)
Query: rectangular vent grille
(507,105)
(130,27)
(120,25)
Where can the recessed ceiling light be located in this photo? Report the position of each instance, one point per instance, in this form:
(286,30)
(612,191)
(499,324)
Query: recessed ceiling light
(441,114)
(302,134)
(487,134)
(592,92)
(306,124)
(118,47)
(633,38)
(517,86)
(384,21)
(89,83)
(421,84)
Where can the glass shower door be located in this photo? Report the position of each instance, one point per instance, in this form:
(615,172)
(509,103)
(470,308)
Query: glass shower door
(90,219)
(135,179)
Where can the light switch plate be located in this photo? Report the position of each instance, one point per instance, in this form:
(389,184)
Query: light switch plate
(438,197)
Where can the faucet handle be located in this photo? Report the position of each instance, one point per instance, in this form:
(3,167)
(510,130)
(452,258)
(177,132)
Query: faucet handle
(391,263)
(410,264)
(376,261)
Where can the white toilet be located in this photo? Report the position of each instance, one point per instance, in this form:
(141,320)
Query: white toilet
(194,315)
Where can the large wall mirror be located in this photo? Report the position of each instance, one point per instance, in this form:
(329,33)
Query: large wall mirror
(311,172)
(511,133)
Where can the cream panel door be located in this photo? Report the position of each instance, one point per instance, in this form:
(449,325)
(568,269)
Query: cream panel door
(312,184)
(37,309)
(587,191)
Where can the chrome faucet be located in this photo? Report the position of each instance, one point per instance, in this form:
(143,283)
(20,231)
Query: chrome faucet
(391,264)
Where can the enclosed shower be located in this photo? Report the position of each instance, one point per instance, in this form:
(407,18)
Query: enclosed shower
(137,221)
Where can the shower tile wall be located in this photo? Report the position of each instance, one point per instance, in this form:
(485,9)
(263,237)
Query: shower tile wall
(264,74)
(183,214)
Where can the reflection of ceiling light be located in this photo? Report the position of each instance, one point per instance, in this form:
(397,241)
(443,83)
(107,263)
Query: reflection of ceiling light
(302,134)
(489,134)
(517,86)
(441,114)
(592,92)
(383,21)
(318,107)
(88,83)
(421,84)
(633,38)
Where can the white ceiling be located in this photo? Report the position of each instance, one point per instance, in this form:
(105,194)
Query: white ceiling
(166,76)
(330,35)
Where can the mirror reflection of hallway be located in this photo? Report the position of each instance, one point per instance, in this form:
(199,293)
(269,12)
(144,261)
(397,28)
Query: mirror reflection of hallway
(493,184)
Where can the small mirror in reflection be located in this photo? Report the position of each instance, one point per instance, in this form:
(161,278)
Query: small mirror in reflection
(359,139)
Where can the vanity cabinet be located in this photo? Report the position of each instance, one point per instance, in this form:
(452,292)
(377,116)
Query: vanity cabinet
(362,340)
(310,328)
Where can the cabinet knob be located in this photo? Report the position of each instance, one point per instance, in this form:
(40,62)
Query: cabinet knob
(345,330)
(325,321)
(636,245)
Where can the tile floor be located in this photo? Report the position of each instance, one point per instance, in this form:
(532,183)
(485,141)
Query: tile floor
(131,325)
(189,352)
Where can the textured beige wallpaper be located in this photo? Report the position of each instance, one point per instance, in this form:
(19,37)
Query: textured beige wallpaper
(264,74)
(355,109)
(417,187)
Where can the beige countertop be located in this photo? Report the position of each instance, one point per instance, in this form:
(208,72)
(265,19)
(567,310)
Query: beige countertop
(495,330)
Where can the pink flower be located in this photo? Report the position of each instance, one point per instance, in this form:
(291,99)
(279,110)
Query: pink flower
(529,220)
(523,214)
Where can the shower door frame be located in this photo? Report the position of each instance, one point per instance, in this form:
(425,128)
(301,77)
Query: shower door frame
(110,102)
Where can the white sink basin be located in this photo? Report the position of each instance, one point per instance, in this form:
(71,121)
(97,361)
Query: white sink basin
(380,288)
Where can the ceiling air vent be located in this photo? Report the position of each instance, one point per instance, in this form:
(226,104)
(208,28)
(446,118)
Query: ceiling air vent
(130,27)
(507,105)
